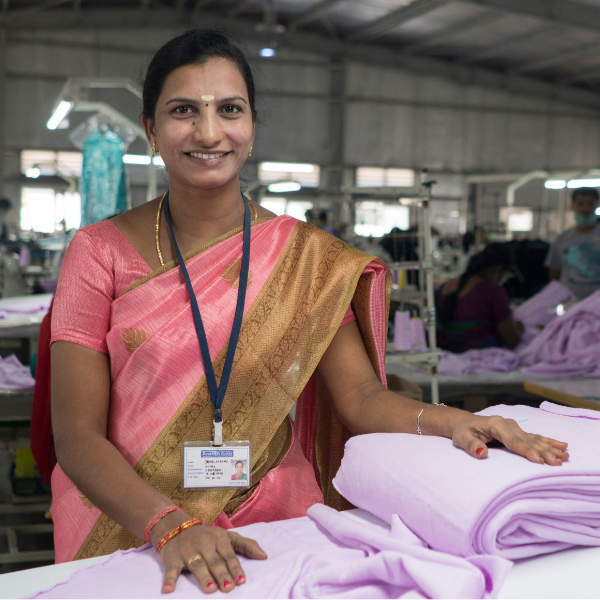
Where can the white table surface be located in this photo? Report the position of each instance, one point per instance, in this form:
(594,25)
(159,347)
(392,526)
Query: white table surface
(568,574)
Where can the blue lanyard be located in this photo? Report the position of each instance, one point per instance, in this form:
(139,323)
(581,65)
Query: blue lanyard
(217,393)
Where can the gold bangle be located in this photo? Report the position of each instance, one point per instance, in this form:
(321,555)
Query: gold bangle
(177,531)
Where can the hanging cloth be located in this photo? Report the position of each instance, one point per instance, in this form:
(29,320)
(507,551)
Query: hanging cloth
(104,186)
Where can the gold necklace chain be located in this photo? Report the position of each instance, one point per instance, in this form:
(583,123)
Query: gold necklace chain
(160,205)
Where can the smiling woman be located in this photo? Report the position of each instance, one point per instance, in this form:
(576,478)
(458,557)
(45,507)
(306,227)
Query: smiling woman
(155,305)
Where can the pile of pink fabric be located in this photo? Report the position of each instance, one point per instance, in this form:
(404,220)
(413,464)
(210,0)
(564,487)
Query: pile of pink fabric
(488,360)
(503,505)
(20,306)
(13,375)
(569,345)
(323,555)
(540,309)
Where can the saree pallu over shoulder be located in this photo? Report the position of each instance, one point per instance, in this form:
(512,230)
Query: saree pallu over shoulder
(303,281)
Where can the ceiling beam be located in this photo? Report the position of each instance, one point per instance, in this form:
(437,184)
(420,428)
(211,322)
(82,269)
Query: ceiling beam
(506,45)
(462,27)
(592,74)
(559,12)
(559,58)
(317,11)
(394,19)
(320,44)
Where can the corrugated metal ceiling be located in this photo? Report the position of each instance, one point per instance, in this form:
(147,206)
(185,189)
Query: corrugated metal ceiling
(555,41)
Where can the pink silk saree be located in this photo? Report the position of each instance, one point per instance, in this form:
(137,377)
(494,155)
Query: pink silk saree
(301,282)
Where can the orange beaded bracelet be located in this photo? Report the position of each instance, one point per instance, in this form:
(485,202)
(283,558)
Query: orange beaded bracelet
(177,531)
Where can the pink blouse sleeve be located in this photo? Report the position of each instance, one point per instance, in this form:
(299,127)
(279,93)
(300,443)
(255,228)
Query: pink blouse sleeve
(348,317)
(85,291)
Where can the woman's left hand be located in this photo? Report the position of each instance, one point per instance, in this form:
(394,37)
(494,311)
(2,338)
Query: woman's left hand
(474,432)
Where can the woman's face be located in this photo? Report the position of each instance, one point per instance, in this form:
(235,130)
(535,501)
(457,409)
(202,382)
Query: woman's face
(203,126)
(239,467)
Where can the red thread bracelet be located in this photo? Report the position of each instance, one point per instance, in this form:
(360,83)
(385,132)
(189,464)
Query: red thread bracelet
(157,517)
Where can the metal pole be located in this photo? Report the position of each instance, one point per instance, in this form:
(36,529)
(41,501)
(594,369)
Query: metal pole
(427,263)
(562,209)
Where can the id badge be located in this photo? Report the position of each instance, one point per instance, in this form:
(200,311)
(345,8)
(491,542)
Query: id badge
(205,466)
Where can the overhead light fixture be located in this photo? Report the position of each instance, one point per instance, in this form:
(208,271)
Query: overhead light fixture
(136,159)
(282,167)
(284,186)
(142,159)
(33,172)
(267,52)
(60,112)
(577,183)
(555,184)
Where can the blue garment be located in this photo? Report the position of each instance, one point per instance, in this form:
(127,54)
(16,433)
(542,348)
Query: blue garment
(104,188)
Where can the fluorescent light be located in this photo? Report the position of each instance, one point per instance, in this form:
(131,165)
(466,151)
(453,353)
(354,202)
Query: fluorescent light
(284,186)
(33,172)
(267,52)
(287,167)
(555,184)
(597,211)
(142,159)
(136,159)
(61,111)
(577,183)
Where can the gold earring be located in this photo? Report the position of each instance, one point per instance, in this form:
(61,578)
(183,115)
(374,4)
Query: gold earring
(153,148)
(250,151)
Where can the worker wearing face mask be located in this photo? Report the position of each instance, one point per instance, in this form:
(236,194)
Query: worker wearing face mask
(574,258)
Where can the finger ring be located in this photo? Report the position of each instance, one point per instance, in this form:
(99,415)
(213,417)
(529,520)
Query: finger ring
(194,558)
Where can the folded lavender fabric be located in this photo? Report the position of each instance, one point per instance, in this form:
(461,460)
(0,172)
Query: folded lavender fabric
(487,360)
(13,375)
(569,345)
(323,555)
(21,306)
(538,310)
(503,505)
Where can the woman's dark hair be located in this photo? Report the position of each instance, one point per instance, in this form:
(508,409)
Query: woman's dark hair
(239,462)
(193,47)
(492,255)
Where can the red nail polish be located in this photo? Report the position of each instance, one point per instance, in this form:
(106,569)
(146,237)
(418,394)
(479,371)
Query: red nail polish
(239,579)
(168,585)
(479,451)
(210,584)
(227,583)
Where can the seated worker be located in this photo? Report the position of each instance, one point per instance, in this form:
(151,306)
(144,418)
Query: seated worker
(473,310)
(574,258)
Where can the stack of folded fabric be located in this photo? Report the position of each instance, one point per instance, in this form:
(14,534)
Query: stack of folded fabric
(323,555)
(487,360)
(503,505)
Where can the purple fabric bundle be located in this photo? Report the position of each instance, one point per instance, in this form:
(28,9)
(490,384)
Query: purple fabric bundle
(324,555)
(538,310)
(19,307)
(13,375)
(488,360)
(569,345)
(503,505)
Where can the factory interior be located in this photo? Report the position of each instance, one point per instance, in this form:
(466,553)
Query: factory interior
(433,166)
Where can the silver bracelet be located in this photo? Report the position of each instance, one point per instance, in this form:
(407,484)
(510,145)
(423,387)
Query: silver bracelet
(419,417)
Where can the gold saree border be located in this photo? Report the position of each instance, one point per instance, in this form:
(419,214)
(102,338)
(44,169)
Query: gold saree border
(175,262)
(284,334)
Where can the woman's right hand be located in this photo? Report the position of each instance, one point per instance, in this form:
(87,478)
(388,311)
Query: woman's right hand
(209,554)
